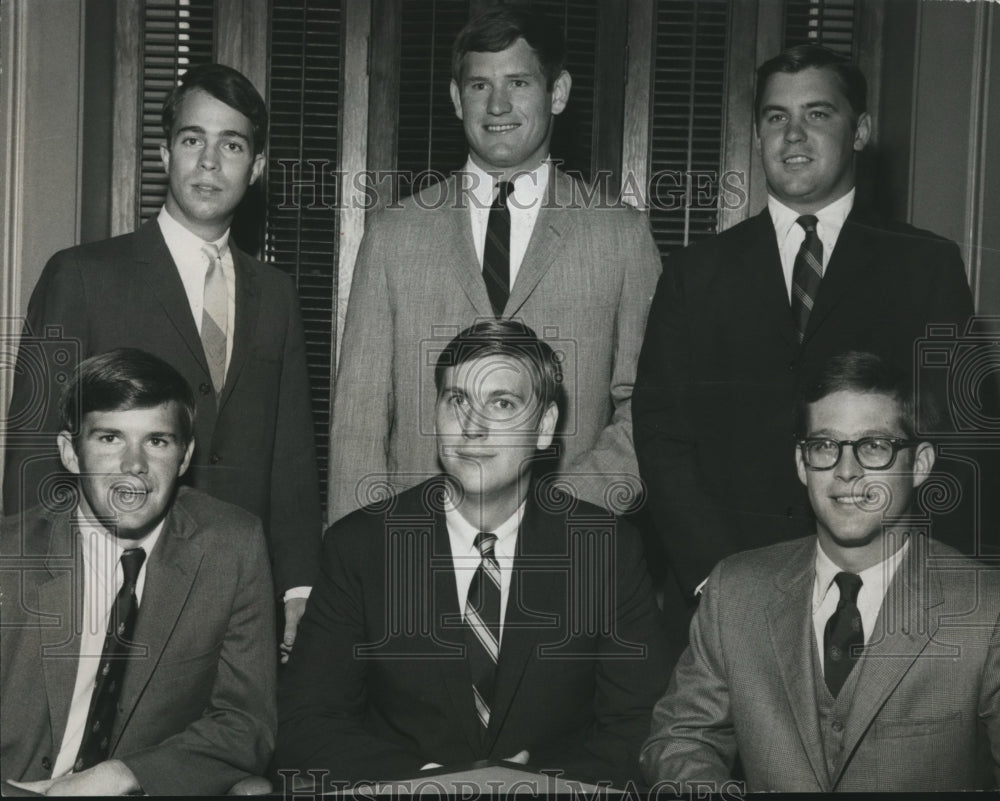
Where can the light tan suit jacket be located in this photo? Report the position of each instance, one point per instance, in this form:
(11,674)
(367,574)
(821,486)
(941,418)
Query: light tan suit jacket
(926,708)
(584,285)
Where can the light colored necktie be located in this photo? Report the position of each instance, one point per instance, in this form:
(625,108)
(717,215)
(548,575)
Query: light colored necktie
(215,317)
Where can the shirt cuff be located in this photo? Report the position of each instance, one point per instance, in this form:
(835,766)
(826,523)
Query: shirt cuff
(697,590)
(296,592)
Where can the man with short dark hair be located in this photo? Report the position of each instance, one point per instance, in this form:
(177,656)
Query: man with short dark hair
(743,319)
(864,658)
(481,614)
(137,623)
(179,288)
(508,236)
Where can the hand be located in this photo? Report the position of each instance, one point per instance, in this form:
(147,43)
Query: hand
(105,778)
(521,757)
(294,609)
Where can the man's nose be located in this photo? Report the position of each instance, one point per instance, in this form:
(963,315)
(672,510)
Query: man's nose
(209,157)
(847,467)
(134,460)
(795,131)
(499,102)
(474,424)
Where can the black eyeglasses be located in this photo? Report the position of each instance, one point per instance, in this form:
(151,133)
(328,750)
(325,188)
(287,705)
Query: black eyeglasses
(872,453)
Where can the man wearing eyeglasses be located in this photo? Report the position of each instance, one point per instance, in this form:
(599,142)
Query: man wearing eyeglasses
(864,658)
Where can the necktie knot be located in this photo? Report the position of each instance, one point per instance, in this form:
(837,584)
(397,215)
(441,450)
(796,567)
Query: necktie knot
(212,252)
(504,189)
(132,560)
(484,543)
(808,223)
(849,585)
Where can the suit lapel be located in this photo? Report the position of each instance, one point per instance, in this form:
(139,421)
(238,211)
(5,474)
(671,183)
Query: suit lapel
(60,605)
(463,261)
(157,269)
(789,621)
(764,282)
(247,310)
(846,272)
(903,631)
(170,573)
(532,593)
(552,230)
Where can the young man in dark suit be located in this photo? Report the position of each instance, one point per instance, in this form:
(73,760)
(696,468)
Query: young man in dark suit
(179,288)
(741,320)
(137,627)
(480,614)
(865,658)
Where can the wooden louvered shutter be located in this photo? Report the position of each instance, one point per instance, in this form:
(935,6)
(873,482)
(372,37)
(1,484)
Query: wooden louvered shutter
(688,96)
(176,35)
(302,228)
(826,22)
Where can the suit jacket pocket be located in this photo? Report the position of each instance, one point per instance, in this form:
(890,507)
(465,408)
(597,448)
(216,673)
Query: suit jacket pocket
(896,728)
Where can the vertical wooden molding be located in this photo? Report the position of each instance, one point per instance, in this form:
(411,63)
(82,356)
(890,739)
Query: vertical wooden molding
(869,17)
(737,158)
(127,96)
(241,36)
(978,116)
(638,99)
(609,93)
(383,98)
(770,35)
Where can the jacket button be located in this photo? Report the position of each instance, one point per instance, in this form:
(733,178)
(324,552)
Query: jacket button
(790,366)
(216,458)
(837,726)
(46,763)
(789,511)
(204,388)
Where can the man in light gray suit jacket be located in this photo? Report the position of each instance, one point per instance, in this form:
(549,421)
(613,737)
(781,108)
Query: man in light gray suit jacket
(866,658)
(579,271)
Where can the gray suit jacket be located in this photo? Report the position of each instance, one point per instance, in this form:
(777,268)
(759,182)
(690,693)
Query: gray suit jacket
(198,711)
(584,285)
(926,710)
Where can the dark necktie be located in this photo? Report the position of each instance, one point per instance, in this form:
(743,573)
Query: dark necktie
(104,701)
(496,252)
(482,626)
(806,274)
(844,637)
(215,317)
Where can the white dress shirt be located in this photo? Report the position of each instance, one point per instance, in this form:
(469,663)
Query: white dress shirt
(466,557)
(524,203)
(192,264)
(874,582)
(790,236)
(102,580)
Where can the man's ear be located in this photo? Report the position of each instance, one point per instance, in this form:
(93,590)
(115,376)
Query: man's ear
(800,465)
(187,458)
(258,168)
(547,427)
(923,462)
(67,453)
(862,131)
(560,92)
(456,99)
(165,157)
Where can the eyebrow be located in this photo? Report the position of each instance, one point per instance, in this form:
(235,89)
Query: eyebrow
(198,129)
(486,78)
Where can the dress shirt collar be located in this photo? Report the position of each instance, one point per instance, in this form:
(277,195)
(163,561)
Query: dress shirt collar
(102,551)
(184,245)
(830,218)
(529,186)
(462,531)
(875,580)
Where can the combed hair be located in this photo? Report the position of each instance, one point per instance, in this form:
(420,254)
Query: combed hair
(795,59)
(510,338)
(124,379)
(227,86)
(861,372)
(498,28)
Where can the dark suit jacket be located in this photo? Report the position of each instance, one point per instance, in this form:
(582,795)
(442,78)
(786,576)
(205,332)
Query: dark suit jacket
(925,715)
(253,448)
(378,685)
(720,367)
(197,713)
(584,285)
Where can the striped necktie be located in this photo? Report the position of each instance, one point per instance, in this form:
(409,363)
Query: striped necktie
(482,627)
(114,657)
(806,274)
(215,317)
(496,252)
(843,637)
